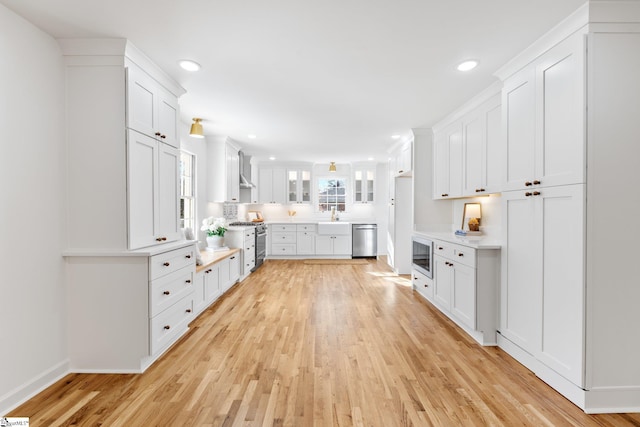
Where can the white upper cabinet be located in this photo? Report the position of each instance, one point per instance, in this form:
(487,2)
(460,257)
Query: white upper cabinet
(480,149)
(224,173)
(233,173)
(151,109)
(152,177)
(447,167)
(299,185)
(544,115)
(124,176)
(364,183)
(404,159)
(272,185)
(466,160)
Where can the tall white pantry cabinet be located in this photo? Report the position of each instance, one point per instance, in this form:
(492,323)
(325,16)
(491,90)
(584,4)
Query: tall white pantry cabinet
(569,289)
(130,274)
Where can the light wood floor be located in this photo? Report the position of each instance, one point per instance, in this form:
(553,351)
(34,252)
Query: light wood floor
(318,345)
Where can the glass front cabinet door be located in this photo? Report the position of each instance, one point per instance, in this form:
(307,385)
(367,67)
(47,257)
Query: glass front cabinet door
(364,182)
(299,186)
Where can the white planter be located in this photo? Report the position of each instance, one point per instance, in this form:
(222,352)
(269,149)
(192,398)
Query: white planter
(215,242)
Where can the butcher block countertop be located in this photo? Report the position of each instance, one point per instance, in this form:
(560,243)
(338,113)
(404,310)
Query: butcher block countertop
(210,258)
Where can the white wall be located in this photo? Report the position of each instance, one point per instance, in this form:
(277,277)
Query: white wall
(32,226)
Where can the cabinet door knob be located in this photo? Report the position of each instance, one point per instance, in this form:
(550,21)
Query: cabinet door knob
(166,264)
(426,286)
(528,183)
(167,293)
(159,239)
(536,193)
(445,195)
(163,136)
(440,248)
(479,190)
(188,310)
(157,133)
(167,327)
(460,254)
(527,194)
(536,182)
(233,257)
(187,281)
(188,257)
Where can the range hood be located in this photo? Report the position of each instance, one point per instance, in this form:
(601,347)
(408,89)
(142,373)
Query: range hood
(245,171)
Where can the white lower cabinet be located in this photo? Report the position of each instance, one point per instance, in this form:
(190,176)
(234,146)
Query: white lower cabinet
(244,239)
(422,284)
(215,278)
(333,245)
(542,306)
(153,295)
(465,287)
(302,240)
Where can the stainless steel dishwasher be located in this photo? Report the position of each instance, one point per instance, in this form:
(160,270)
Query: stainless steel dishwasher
(364,239)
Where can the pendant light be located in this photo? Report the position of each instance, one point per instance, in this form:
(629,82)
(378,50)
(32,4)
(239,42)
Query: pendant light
(196,129)
(332,167)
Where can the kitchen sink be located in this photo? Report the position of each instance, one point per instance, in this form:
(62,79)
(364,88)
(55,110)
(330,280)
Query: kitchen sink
(334,228)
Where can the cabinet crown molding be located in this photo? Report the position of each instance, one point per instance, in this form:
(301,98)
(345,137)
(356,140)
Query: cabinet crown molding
(468,106)
(119,47)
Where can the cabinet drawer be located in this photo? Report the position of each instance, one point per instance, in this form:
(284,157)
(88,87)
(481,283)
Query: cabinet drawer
(165,291)
(168,262)
(456,253)
(249,247)
(283,237)
(167,326)
(443,249)
(422,284)
(249,234)
(283,249)
(283,227)
(306,227)
(464,255)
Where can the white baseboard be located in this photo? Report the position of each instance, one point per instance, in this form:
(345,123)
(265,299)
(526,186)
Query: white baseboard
(18,396)
(610,400)
(597,400)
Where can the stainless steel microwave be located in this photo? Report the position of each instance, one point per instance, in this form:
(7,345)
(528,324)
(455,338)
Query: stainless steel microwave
(422,256)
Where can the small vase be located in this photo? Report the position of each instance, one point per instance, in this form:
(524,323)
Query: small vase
(215,242)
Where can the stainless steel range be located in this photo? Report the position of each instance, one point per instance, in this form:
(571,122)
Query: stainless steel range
(261,240)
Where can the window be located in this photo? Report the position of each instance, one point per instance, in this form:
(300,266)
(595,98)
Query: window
(187,190)
(332,193)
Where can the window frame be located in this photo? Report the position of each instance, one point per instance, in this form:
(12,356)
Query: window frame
(193,198)
(347,195)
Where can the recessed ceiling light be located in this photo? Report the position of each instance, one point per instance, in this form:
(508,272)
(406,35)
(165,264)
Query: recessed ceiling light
(251,136)
(272,158)
(467,65)
(189,65)
(395,136)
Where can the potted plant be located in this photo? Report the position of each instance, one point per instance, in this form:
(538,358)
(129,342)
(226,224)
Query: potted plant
(215,228)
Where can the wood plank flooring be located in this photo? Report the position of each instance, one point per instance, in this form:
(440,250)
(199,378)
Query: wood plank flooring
(318,345)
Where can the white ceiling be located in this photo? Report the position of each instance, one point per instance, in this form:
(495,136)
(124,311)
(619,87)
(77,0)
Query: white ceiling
(314,80)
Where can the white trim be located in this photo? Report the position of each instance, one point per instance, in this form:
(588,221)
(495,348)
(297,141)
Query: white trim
(609,400)
(467,107)
(18,396)
(563,30)
(119,47)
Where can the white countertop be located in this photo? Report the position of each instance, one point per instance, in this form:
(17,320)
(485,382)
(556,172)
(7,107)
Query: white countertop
(144,252)
(315,221)
(476,242)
